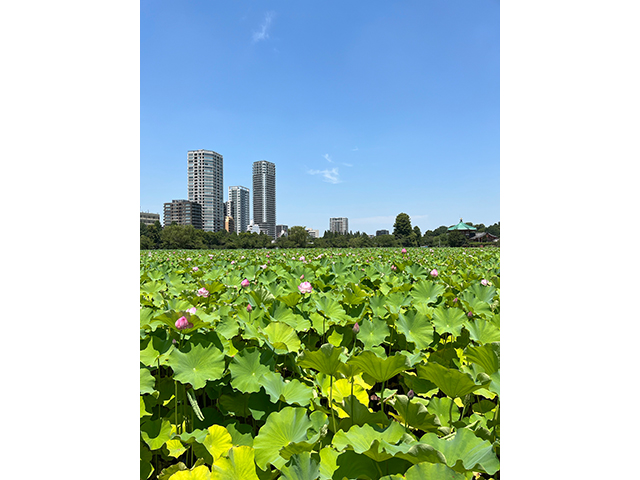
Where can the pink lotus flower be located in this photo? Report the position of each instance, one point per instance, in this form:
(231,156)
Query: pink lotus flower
(305,287)
(470,314)
(484,282)
(188,259)
(404,250)
(244,283)
(192,310)
(249,308)
(302,257)
(195,269)
(182,323)
(434,273)
(455,300)
(203,292)
(394,268)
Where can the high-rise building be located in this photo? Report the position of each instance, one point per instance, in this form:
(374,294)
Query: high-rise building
(239,207)
(339,225)
(264,196)
(382,232)
(183,212)
(204,172)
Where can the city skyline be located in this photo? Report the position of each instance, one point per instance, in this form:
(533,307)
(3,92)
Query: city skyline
(398,110)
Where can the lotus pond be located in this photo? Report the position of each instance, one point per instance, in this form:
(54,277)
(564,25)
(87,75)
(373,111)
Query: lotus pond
(320,364)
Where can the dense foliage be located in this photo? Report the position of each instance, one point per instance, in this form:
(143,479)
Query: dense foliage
(320,364)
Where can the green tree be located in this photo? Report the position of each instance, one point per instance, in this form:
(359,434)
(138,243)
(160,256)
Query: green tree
(145,243)
(494,229)
(181,236)
(456,239)
(385,241)
(299,236)
(402,226)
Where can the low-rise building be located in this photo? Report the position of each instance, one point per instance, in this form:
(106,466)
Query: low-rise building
(149,218)
(382,232)
(313,233)
(282,230)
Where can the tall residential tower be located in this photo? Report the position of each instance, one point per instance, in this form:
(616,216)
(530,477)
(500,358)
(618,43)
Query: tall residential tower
(264,196)
(239,207)
(339,225)
(204,171)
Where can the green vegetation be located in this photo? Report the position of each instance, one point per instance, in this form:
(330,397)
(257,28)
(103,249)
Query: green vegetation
(320,364)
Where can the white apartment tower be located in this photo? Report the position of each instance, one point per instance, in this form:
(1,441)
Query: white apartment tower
(239,207)
(339,225)
(264,196)
(204,172)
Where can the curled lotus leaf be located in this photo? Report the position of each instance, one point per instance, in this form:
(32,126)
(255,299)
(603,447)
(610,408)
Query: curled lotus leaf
(465,451)
(200,472)
(239,465)
(301,467)
(327,359)
(380,369)
(452,382)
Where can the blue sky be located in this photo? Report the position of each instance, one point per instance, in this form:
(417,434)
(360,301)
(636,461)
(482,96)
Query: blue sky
(367,109)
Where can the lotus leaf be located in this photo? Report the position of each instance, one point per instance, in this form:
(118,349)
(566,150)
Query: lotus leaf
(377,306)
(452,382)
(198,473)
(426,291)
(327,359)
(218,441)
(156,432)
(282,337)
(378,368)
(414,414)
(281,428)
(155,348)
(147,381)
(416,328)
(483,331)
(197,366)
(292,391)
(373,332)
(301,467)
(487,356)
(432,471)
(247,371)
(175,448)
(448,320)
(465,451)
(240,465)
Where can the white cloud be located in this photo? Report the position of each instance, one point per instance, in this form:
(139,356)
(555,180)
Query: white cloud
(331,176)
(355,149)
(263,34)
(328,158)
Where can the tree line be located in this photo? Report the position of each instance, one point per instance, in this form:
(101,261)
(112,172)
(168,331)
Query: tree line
(404,235)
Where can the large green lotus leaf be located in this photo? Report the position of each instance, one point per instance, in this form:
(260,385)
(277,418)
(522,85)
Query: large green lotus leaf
(331,309)
(198,473)
(426,291)
(241,433)
(352,465)
(395,302)
(261,296)
(218,441)
(359,414)
(282,337)
(281,428)
(291,300)
(416,328)
(465,452)
(415,452)
(378,368)
(477,306)
(494,386)
(416,270)
(373,332)
(237,404)
(487,356)
(361,438)
(175,447)
(482,293)
(328,463)
(149,288)
(166,473)
(155,348)
(278,289)
(301,467)
(396,476)
(240,465)
(146,401)
(292,391)
(440,407)
(156,432)
(228,327)
(146,469)
(327,359)
(414,414)
(432,471)
(147,381)
(452,382)
(342,389)
(448,320)
(483,331)
(377,306)
(197,366)
(247,371)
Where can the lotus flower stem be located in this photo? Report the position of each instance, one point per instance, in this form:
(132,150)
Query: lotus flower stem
(450,410)
(333,418)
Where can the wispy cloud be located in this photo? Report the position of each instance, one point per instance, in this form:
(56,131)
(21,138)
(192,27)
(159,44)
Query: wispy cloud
(328,158)
(263,33)
(331,176)
(355,149)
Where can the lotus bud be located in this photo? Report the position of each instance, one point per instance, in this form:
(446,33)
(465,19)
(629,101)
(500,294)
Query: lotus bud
(484,282)
(195,269)
(434,273)
(183,323)
(249,308)
(404,250)
(410,394)
(470,314)
(305,287)
(244,283)
(203,292)
(356,328)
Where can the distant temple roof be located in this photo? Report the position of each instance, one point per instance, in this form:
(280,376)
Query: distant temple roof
(461,226)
